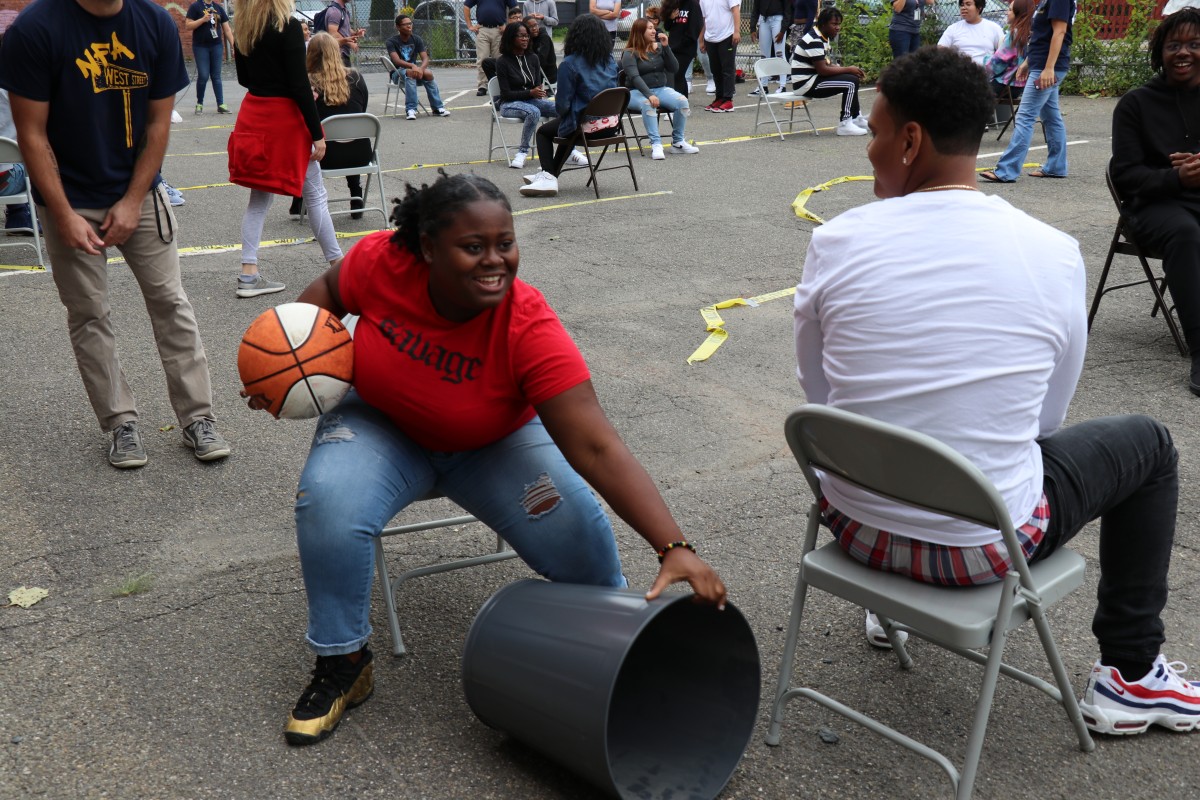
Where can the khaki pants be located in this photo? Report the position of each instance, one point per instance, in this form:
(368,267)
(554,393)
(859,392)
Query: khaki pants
(487,45)
(82,282)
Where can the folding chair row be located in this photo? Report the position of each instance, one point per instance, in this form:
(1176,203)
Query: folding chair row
(347,128)
(10,153)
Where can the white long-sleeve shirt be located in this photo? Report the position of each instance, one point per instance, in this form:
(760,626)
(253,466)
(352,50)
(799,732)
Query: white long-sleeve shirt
(954,314)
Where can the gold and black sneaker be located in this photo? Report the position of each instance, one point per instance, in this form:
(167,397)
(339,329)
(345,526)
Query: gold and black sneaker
(338,684)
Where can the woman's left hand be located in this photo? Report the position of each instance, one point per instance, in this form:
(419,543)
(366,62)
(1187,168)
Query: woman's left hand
(681,564)
(318,150)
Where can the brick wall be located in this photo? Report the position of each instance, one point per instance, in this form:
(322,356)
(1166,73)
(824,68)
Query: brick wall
(177,8)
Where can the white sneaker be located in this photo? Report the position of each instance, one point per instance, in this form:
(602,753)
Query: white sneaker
(875,635)
(847,128)
(410,114)
(577,158)
(544,185)
(861,122)
(519,161)
(656,152)
(684,147)
(528,179)
(443,112)
(1116,706)
(711,88)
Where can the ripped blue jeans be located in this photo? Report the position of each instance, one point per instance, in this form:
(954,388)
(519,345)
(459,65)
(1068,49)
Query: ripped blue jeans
(361,471)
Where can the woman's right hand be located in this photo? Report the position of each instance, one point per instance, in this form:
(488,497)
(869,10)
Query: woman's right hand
(654,101)
(681,564)
(318,150)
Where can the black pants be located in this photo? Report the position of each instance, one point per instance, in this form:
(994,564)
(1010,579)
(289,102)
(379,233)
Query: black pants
(721,58)
(1122,470)
(845,85)
(553,158)
(685,56)
(1173,230)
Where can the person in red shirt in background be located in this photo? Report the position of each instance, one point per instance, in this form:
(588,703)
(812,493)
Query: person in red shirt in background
(465,383)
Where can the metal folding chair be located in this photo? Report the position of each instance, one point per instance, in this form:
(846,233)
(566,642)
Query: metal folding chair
(397,104)
(764,70)
(1125,242)
(493,90)
(608,103)
(391,586)
(10,153)
(918,471)
(348,127)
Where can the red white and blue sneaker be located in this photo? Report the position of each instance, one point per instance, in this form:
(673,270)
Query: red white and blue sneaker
(1115,706)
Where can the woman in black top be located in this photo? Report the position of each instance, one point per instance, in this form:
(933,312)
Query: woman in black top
(682,21)
(339,90)
(277,140)
(523,93)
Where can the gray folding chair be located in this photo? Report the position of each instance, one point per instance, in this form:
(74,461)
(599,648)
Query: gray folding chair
(348,127)
(493,89)
(391,87)
(1124,242)
(10,153)
(921,472)
(391,586)
(764,70)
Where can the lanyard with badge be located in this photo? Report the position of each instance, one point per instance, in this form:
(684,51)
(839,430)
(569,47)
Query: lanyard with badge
(211,11)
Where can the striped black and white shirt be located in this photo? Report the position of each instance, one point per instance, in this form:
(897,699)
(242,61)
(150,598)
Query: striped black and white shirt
(811,48)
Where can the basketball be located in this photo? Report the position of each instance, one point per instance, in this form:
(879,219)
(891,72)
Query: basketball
(296,361)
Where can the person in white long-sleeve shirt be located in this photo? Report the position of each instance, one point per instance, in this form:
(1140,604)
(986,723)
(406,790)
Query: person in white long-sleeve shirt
(905,315)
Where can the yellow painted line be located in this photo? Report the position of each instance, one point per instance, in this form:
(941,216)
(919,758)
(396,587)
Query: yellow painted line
(589,202)
(22,267)
(204,128)
(715,325)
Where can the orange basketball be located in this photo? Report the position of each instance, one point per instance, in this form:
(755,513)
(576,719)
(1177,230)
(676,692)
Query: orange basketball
(296,360)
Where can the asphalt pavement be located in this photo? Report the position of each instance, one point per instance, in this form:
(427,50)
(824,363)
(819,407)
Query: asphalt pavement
(181,690)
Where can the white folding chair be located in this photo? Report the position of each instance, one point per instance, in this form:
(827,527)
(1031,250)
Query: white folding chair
(398,103)
(918,471)
(493,90)
(10,153)
(391,586)
(348,127)
(764,70)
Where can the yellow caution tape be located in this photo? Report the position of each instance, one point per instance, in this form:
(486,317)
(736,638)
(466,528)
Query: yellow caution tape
(715,325)
(34,268)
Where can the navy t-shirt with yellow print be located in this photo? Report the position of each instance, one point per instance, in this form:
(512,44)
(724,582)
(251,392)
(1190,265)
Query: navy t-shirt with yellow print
(98,74)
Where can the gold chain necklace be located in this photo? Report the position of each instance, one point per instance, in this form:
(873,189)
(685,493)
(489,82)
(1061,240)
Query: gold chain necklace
(950,186)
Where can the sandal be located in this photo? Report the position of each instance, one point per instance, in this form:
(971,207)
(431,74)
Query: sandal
(991,177)
(1037,173)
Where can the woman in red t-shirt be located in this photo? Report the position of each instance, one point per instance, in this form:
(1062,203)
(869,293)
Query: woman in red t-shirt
(465,383)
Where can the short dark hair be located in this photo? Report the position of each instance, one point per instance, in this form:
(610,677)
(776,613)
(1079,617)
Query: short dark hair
(509,35)
(401,18)
(1182,18)
(428,210)
(979,4)
(828,14)
(944,92)
(588,38)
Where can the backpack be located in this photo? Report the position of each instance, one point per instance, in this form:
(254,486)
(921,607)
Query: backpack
(319,19)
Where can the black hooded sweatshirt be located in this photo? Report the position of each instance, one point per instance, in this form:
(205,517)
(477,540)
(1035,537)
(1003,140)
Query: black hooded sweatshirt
(1149,124)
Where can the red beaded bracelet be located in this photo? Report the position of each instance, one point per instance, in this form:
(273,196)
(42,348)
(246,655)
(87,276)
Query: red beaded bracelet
(663,553)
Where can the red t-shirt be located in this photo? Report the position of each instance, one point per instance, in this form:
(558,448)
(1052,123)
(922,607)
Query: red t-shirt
(450,386)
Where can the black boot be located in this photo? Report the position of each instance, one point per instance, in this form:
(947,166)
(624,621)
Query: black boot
(356,201)
(297,202)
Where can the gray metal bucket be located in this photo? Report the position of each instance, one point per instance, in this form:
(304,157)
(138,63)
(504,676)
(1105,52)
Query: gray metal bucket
(644,699)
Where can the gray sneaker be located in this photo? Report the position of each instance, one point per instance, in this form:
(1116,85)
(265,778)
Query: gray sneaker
(202,437)
(126,450)
(260,285)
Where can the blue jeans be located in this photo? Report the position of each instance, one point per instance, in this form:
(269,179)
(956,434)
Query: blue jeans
(208,65)
(903,42)
(1124,471)
(531,111)
(1036,102)
(362,470)
(14,182)
(410,91)
(668,100)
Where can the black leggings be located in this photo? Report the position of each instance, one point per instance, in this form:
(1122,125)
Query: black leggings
(685,56)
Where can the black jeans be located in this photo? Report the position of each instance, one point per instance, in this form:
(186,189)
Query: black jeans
(1173,230)
(681,80)
(721,59)
(1124,471)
